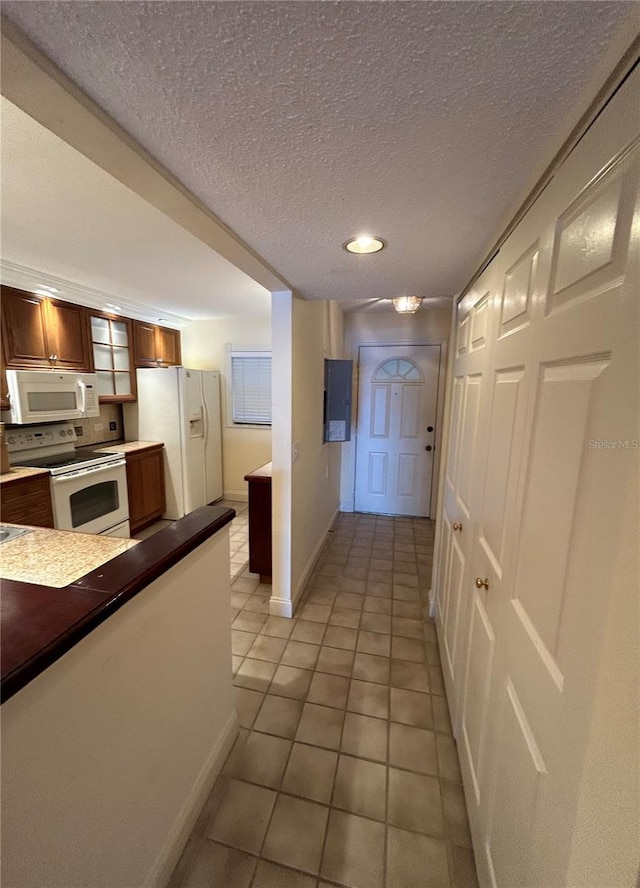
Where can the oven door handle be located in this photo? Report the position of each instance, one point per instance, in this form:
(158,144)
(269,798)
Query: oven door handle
(83,473)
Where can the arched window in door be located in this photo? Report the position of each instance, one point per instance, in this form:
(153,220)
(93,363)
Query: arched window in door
(398,370)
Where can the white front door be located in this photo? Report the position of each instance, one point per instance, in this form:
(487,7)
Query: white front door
(397,398)
(540,469)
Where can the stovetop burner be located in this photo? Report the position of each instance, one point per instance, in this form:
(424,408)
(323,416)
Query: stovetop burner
(66,460)
(52,447)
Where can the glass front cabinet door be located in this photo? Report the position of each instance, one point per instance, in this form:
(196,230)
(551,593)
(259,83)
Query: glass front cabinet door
(112,339)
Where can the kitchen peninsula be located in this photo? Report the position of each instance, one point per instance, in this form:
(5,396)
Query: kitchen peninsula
(118,709)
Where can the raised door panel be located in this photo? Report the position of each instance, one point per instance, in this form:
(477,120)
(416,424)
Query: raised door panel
(466,479)
(168,346)
(24,336)
(453,603)
(519,779)
(517,296)
(144,344)
(564,401)
(477,691)
(68,335)
(502,463)
(380,411)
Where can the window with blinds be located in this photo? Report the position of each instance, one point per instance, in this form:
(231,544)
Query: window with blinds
(251,387)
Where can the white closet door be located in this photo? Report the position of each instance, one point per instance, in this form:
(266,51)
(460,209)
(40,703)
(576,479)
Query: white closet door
(551,447)
(462,490)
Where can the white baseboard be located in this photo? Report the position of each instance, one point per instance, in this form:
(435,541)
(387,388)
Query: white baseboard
(284,607)
(185,821)
(280,607)
(237,496)
(433,608)
(302,582)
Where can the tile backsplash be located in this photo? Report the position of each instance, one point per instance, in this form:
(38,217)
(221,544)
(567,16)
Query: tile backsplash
(101,429)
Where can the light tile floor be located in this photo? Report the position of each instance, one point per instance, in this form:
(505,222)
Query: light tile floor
(238,537)
(345,771)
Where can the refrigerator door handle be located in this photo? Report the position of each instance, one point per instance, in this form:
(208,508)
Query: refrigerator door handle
(205,416)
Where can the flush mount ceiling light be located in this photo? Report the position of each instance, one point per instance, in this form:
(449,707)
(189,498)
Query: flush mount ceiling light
(43,290)
(407,304)
(364,244)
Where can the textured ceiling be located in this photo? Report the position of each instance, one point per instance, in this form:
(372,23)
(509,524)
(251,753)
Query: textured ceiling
(63,215)
(303,123)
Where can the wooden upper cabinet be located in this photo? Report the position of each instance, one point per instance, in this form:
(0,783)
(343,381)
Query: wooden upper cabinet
(155,346)
(42,332)
(168,345)
(68,335)
(24,335)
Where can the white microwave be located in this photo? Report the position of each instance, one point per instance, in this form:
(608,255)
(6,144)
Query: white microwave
(51,395)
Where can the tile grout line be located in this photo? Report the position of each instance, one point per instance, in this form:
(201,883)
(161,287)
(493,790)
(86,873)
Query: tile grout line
(397,539)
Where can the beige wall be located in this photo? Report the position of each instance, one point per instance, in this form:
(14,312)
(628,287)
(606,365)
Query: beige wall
(427,327)
(316,477)
(305,493)
(203,347)
(109,755)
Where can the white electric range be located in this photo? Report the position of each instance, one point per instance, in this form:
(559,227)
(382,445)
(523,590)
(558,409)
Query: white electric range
(88,487)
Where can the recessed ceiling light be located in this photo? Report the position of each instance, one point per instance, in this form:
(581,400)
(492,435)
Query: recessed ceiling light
(43,290)
(114,307)
(363,244)
(407,304)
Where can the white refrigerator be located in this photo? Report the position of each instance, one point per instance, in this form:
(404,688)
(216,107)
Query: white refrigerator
(181,408)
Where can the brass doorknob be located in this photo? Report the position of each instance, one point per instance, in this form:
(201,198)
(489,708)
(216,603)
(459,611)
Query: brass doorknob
(481,584)
(457,526)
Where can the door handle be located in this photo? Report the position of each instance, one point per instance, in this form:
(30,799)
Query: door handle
(482,584)
(457,526)
(428,447)
(83,394)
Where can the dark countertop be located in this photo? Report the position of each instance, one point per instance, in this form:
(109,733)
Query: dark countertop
(262,474)
(41,623)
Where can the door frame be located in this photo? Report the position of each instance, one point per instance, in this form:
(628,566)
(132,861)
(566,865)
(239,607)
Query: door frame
(440,404)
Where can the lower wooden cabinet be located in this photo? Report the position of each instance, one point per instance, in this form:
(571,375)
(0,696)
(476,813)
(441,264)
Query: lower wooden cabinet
(27,501)
(145,486)
(260,522)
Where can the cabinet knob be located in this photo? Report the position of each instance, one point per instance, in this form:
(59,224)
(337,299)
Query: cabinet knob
(53,358)
(457,526)
(482,584)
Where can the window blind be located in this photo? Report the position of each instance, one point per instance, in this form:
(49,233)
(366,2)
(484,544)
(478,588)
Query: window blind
(251,387)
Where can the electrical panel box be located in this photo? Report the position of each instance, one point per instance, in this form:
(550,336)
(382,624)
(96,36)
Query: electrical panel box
(338,377)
